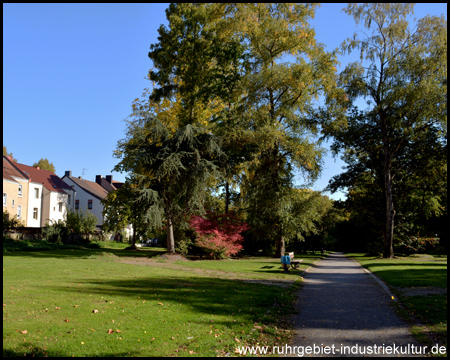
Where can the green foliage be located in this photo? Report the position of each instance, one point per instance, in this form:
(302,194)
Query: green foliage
(414,245)
(396,148)
(125,206)
(5,153)
(171,170)
(44,164)
(78,222)
(75,224)
(55,233)
(11,223)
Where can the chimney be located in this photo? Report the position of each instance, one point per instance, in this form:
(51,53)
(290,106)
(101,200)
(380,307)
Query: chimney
(37,167)
(98,179)
(109,178)
(68,173)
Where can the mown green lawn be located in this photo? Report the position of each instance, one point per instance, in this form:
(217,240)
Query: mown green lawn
(253,267)
(86,303)
(423,271)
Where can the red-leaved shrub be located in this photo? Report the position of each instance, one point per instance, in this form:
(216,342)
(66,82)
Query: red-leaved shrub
(220,234)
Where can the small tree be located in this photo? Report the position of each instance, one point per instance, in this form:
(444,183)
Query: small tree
(220,234)
(123,207)
(44,164)
(78,222)
(5,153)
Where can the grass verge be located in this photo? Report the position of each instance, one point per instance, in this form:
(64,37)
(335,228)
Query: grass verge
(426,312)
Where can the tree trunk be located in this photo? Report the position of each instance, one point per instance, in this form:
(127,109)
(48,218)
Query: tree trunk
(133,245)
(281,247)
(227,196)
(170,238)
(388,251)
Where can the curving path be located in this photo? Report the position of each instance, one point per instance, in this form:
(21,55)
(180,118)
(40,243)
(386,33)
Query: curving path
(342,306)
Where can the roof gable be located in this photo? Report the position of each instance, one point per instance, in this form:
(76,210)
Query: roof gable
(10,171)
(47,178)
(90,187)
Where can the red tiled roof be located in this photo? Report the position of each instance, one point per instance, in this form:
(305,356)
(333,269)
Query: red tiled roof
(50,181)
(9,171)
(91,187)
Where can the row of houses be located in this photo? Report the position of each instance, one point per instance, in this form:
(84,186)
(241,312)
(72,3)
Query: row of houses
(39,196)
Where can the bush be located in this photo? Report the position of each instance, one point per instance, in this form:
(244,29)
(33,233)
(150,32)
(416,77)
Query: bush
(78,222)
(11,223)
(408,245)
(55,233)
(220,235)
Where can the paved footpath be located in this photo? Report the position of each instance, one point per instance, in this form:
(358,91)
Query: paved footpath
(342,306)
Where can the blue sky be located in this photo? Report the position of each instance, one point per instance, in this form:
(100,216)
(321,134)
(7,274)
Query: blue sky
(71,72)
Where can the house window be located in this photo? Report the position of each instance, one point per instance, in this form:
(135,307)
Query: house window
(68,199)
(35,213)
(5,197)
(20,190)
(19,211)
(77,204)
(90,204)
(13,203)
(60,206)
(36,193)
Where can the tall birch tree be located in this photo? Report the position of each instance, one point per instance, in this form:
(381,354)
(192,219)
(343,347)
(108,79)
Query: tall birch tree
(402,74)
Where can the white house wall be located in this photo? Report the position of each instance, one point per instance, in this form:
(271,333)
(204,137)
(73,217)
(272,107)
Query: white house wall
(83,198)
(51,210)
(33,203)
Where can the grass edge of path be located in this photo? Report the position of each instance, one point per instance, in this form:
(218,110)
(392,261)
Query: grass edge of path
(418,328)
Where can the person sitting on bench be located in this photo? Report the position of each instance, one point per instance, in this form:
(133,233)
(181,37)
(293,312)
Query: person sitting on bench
(286,261)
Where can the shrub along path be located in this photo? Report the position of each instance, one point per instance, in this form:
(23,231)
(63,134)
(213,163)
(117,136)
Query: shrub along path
(341,305)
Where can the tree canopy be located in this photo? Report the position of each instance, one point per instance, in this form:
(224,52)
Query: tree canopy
(44,164)
(241,94)
(396,147)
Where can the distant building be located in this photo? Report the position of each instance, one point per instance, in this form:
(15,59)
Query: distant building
(15,190)
(89,194)
(42,195)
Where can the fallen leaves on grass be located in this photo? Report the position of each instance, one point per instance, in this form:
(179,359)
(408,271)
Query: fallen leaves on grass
(66,320)
(23,332)
(160,303)
(110,331)
(95,311)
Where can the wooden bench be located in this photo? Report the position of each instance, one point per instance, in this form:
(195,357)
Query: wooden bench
(295,264)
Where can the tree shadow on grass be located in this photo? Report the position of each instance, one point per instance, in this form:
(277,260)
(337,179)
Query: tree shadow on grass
(83,253)
(206,296)
(30,350)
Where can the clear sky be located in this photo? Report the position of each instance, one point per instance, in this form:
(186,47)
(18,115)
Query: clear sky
(71,72)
